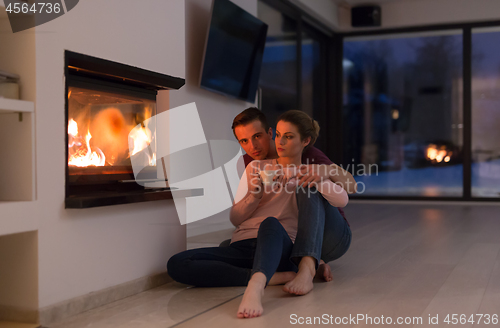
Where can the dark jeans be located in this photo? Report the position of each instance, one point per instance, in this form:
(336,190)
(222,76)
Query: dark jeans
(235,264)
(322,232)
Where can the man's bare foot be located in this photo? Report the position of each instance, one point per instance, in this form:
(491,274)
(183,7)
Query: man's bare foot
(303,281)
(251,305)
(281,278)
(324,272)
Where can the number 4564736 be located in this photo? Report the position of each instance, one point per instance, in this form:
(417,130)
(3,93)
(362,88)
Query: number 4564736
(37,7)
(455,319)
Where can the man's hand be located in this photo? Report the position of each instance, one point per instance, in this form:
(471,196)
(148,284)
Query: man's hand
(312,174)
(256,187)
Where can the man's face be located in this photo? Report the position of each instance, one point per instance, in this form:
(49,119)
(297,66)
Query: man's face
(254,139)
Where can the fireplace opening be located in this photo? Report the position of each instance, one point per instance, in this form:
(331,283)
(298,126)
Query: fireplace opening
(101,126)
(107,105)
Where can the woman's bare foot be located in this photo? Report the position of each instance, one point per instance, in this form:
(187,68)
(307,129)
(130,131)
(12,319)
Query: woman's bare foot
(303,281)
(324,272)
(251,305)
(281,278)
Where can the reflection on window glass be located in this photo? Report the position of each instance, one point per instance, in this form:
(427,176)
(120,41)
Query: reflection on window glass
(486,113)
(278,76)
(313,80)
(310,73)
(402,114)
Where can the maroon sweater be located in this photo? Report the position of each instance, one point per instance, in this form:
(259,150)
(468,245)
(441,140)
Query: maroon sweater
(312,155)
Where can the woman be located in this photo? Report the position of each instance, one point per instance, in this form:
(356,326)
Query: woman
(266,220)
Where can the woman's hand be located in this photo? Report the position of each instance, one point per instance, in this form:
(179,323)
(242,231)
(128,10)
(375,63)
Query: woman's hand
(312,174)
(256,187)
(280,180)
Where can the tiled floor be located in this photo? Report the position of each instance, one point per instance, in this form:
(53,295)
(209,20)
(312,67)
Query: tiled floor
(409,261)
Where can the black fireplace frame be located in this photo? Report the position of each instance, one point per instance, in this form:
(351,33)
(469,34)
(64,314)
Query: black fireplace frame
(100,74)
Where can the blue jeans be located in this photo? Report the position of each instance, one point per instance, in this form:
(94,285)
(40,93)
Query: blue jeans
(322,231)
(234,265)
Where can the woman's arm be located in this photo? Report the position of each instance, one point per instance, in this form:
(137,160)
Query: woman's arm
(343,178)
(320,172)
(318,167)
(333,193)
(248,196)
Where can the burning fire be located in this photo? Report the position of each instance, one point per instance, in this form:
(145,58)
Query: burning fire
(110,131)
(82,156)
(142,138)
(438,154)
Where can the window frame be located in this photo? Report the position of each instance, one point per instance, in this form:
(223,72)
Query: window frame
(467,102)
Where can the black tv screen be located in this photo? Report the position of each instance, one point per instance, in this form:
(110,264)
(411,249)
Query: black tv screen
(233,51)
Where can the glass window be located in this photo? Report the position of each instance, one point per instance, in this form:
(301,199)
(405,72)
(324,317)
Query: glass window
(486,112)
(402,113)
(313,79)
(278,76)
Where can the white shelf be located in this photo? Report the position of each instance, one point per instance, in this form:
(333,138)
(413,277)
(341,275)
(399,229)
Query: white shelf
(16,106)
(17,118)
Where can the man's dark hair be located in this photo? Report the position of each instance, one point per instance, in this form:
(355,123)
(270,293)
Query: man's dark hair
(249,115)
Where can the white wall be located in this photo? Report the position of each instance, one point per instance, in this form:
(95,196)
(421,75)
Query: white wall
(86,250)
(18,272)
(216,111)
(429,12)
(326,11)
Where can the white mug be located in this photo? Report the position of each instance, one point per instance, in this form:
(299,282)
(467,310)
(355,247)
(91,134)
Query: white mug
(267,176)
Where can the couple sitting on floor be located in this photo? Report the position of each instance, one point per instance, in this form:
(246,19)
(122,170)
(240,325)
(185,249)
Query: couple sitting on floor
(286,232)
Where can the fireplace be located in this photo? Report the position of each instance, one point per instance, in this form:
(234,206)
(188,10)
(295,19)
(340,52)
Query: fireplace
(107,104)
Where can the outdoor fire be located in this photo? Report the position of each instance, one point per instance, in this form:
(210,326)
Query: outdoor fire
(108,142)
(438,154)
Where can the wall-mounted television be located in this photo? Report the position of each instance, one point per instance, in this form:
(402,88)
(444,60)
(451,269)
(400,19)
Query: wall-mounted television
(233,51)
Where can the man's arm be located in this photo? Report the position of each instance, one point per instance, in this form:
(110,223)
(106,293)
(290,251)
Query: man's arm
(247,198)
(343,178)
(321,167)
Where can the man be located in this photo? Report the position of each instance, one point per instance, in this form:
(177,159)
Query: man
(253,133)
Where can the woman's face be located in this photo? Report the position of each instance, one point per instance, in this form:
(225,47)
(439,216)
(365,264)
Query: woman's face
(288,143)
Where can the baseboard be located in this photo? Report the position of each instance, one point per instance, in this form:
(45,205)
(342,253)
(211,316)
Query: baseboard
(77,305)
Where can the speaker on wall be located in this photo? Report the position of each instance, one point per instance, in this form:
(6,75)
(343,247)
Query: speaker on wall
(366,16)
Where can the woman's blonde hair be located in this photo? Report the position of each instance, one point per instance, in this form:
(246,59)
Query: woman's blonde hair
(307,126)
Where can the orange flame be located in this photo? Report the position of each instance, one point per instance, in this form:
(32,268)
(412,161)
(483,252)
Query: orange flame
(141,138)
(72,128)
(438,154)
(82,156)
(108,128)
